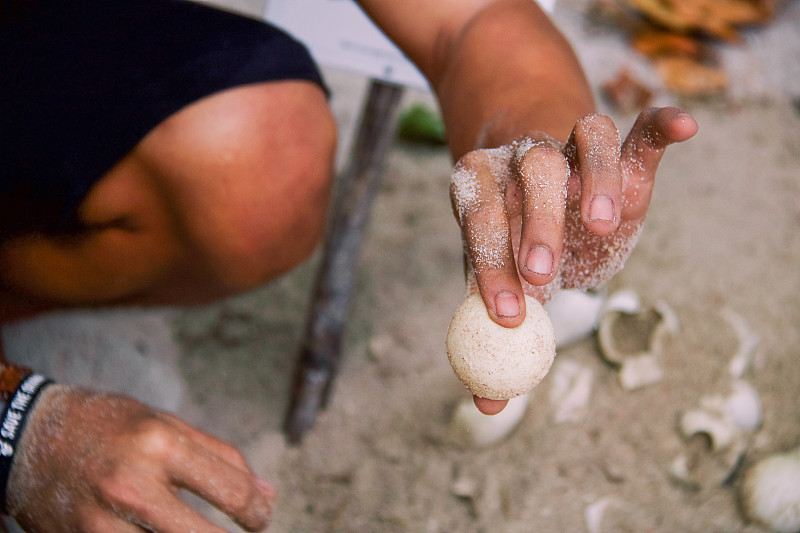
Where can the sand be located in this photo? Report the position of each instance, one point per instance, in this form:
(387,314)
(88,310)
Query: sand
(723,233)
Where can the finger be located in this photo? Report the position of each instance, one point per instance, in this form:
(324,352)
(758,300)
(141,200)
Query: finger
(228,488)
(477,191)
(217,446)
(98,520)
(223,450)
(594,152)
(144,501)
(489,407)
(654,130)
(542,172)
(165,513)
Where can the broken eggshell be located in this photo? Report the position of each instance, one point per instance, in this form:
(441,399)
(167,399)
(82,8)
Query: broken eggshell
(631,336)
(701,466)
(623,333)
(640,371)
(717,432)
(720,415)
(721,432)
(570,390)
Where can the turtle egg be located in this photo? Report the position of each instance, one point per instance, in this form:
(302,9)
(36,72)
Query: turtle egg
(770,492)
(495,362)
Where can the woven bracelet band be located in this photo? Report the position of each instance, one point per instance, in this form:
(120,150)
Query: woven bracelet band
(12,424)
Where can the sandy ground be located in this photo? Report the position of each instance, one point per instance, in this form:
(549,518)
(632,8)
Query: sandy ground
(723,236)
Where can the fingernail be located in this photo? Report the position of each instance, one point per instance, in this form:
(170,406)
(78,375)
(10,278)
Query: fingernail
(540,260)
(506,305)
(601,208)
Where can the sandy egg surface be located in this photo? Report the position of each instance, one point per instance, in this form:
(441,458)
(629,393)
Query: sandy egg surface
(495,362)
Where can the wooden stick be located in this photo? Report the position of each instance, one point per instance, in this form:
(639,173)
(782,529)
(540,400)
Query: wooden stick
(320,351)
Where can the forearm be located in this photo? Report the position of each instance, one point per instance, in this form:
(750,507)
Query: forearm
(507,73)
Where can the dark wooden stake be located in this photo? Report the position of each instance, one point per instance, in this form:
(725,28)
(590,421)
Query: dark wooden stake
(320,350)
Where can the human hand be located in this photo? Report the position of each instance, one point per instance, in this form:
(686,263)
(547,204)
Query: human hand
(538,215)
(94,462)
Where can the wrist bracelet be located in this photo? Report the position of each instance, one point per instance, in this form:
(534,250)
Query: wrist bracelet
(12,423)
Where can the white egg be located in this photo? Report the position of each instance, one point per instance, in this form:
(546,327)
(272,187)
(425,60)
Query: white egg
(574,314)
(770,492)
(495,362)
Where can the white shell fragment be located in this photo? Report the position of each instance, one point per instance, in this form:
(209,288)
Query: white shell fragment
(570,390)
(770,492)
(495,362)
(743,406)
(669,319)
(574,314)
(743,359)
(595,512)
(640,371)
(625,300)
(464,486)
(479,430)
(611,514)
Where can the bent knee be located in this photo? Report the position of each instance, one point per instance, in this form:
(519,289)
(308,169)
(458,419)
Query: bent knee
(249,173)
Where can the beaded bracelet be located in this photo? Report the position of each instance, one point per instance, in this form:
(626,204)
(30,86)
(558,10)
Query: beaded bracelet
(19,402)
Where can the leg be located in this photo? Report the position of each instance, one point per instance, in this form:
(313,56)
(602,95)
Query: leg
(224,195)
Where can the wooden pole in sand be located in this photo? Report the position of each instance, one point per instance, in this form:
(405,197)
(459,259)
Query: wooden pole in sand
(320,350)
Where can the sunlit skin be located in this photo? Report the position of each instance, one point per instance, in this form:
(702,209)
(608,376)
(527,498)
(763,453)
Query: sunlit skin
(231,192)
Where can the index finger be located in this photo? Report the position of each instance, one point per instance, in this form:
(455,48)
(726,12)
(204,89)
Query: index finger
(478,196)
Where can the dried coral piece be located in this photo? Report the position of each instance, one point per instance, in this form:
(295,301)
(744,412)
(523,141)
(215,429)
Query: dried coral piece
(665,13)
(626,93)
(739,12)
(718,18)
(655,43)
(687,77)
(672,32)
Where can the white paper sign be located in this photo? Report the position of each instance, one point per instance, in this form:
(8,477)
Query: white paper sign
(338,34)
